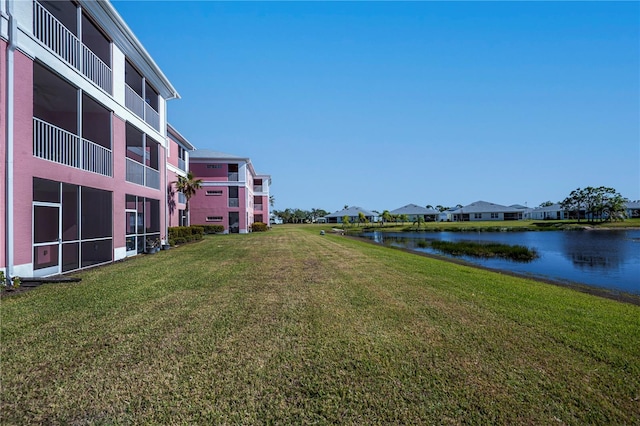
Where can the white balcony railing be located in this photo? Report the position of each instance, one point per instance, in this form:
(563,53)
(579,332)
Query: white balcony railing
(134,102)
(142,175)
(257,207)
(152,178)
(139,107)
(135,172)
(257,188)
(60,146)
(182,199)
(234,202)
(56,36)
(182,165)
(151,116)
(96,70)
(232,176)
(67,46)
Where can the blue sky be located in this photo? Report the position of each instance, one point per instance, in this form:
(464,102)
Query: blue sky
(382,104)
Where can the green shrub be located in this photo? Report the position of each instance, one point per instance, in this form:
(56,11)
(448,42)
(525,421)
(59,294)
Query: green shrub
(185,234)
(213,229)
(259,227)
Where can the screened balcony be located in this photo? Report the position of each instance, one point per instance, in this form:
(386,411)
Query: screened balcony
(142,159)
(69,127)
(232,173)
(234,200)
(140,98)
(55,24)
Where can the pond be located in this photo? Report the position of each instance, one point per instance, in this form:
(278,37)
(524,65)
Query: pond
(602,258)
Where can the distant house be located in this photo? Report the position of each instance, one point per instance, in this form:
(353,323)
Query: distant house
(352,212)
(632,209)
(483,210)
(414,211)
(446,215)
(553,212)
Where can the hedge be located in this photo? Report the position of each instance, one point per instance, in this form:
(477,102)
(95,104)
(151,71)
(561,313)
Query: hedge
(259,227)
(185,234)
(213,229)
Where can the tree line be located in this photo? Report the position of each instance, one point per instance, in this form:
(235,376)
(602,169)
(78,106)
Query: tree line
(590,203)
(294,215)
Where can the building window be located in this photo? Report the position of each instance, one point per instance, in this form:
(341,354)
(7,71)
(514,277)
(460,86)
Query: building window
(142,222)
(477,215)
(214,192)
(495,215)
(76,219)
(214,218)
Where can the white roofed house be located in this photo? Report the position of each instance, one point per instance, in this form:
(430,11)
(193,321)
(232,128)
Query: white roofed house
(632,209)
(353,213)
(414,211)
(483,210)
(552,212)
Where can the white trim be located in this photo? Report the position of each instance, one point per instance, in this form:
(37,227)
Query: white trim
(9,93)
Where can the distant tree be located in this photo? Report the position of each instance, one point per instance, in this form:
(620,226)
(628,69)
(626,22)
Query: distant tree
(601,203)
(547,204)
(386,216)
(404,218)
(362,218)
(614,208)
(441,208)
(429,206)
(188,186)
(300,216)
(317,213)
(346,206)
(282,214)
(419,221)
(272,200)
(345,220)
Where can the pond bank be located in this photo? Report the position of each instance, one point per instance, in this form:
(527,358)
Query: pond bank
(616,295)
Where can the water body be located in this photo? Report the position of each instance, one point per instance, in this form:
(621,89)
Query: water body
(608,259)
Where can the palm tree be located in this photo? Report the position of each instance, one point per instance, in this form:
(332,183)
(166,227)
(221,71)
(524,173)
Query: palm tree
(362,218)
(188,186)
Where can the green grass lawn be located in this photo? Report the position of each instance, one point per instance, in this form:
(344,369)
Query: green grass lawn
(290,327)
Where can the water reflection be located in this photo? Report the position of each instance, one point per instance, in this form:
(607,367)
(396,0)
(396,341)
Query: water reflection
(596,249)
(609,259)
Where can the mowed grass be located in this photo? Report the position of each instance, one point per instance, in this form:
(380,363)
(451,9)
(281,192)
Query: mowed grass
(290,327)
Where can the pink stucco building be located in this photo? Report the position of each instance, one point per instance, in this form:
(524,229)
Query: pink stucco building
(84,141)
(232,194)
(177,165)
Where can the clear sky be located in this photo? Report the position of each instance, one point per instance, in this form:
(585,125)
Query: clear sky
(383,104)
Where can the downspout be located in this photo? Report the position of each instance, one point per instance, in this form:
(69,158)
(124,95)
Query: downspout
(167,215)
(9,94)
